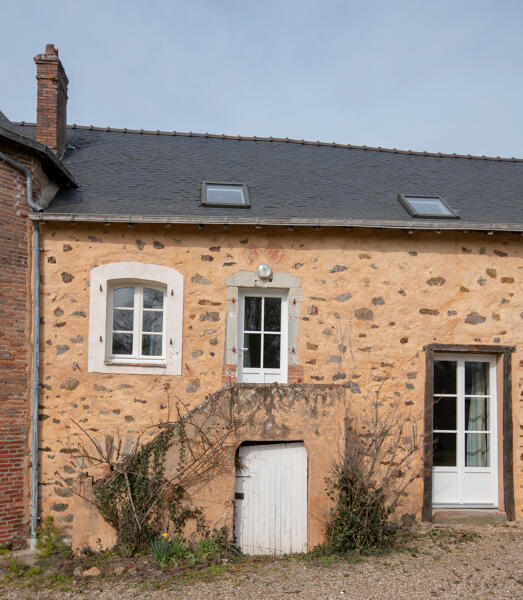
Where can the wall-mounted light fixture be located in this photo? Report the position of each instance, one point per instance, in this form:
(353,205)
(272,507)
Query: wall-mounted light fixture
(264,272)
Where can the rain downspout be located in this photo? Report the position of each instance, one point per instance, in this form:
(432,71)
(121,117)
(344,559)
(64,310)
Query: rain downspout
(36,342)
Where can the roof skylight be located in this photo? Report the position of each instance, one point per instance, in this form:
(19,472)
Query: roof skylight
(225,194)
(427,206)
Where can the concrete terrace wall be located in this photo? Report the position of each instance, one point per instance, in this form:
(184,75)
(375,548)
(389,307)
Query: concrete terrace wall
(15,340)
(371,301)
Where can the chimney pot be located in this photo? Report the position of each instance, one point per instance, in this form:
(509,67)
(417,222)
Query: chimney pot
(50,49)
(52,101)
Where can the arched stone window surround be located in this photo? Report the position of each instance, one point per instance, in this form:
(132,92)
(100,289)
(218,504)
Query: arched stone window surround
(101,278)
(250,280)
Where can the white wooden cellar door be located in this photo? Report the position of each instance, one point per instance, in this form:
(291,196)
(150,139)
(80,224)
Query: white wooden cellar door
(271,499)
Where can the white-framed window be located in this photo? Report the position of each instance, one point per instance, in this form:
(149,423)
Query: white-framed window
(136,323)
(135,320)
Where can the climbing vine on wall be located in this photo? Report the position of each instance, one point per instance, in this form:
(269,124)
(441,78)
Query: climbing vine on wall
(133,497)
(139,494)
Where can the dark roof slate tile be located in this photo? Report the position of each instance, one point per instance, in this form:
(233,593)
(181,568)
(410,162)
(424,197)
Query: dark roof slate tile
(148,174)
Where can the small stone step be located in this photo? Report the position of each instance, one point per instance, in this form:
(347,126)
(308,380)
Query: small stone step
(469,516)
(26,556)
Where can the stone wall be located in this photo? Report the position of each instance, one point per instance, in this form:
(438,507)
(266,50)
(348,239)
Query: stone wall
(312,413)
(371,301)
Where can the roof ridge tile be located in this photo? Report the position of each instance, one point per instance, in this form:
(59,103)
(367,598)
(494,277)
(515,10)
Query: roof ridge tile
(284,140)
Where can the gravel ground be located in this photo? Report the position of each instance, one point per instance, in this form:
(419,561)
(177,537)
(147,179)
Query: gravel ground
(438,566)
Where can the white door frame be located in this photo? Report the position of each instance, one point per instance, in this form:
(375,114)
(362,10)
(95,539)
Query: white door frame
(284,350)
(461,469)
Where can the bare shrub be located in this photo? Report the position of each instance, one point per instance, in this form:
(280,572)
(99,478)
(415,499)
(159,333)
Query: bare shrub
(136,495)
(381,462)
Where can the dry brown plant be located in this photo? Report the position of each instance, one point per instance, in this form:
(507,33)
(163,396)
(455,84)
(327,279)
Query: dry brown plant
(135,490)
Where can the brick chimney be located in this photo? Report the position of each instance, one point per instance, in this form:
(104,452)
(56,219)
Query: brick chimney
(52,100)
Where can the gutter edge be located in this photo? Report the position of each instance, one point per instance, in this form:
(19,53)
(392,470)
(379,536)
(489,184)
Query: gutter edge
(268,222)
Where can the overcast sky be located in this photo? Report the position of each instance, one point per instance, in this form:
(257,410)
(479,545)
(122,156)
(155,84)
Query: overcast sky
(426,75)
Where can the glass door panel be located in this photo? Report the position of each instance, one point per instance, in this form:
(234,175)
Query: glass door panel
(272,314)
(445,450)
(445,413)
(477,414)
(252,350)
(252,314)
(445,377)
(477,450)
(271,351)
(476,378)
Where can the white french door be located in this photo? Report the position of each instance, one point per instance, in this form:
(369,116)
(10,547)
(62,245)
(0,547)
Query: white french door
(262,336)
(465,432)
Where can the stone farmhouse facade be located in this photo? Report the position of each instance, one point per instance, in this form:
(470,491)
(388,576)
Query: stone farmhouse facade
(207,261)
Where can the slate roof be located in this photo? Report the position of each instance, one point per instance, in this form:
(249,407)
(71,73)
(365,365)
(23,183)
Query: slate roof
(12,134)
(5,122)
(157,177)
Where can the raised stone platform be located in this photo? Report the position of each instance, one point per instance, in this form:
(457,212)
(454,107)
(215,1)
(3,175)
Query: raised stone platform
(471,516)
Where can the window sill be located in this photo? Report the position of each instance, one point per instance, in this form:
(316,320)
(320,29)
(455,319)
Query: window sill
(111,363)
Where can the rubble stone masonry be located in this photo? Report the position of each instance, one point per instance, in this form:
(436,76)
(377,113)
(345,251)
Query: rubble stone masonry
(371,301)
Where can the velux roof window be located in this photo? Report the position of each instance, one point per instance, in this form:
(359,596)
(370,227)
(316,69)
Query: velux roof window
(427,206)
(224,194)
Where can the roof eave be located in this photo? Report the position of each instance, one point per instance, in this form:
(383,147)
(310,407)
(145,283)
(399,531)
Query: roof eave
(273,222)
(51,163)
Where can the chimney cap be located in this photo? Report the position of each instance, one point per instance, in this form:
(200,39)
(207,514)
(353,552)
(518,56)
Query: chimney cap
(50,49)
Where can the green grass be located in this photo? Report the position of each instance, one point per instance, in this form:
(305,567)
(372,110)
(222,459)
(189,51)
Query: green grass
(206,573)
(444,539)
(438,535)
(452,535)
(34,578)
